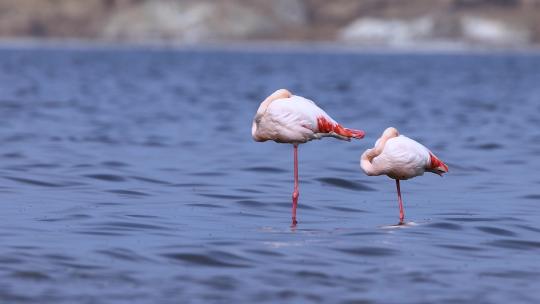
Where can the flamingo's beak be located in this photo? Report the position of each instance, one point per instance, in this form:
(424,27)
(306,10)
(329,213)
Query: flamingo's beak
(437,166)
(440,170)
(256,135)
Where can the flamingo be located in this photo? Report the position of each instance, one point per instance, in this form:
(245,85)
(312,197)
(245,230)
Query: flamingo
(400,158)
(286,118)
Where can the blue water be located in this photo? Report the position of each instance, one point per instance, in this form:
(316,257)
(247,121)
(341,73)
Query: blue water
(130,176)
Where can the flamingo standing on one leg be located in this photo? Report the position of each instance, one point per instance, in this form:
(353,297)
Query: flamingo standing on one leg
(286,118)
(400,158)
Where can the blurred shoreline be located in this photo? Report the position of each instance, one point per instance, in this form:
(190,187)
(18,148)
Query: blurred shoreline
(354,24)
(262,46)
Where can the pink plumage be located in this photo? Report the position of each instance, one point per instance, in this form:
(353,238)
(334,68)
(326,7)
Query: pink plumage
(286,118)
(400,158)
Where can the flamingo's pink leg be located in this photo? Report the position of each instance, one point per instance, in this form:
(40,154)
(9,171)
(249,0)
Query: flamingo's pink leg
(401,212)
(295,193)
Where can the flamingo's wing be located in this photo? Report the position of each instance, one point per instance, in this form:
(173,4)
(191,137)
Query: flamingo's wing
(408,150)
(323,124)
(298,120)
(403,158)
(289,121)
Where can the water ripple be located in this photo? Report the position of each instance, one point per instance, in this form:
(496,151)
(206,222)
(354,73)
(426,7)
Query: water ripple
(479,219)
(30,275)
(496,231)
(489,146)
(209,260)
(224,196)
(346,209)
(515,244)
(251,203)
(513,274)
(126,226)
(106,177)
(445,225)
(532,196)
(150,180)
(122,254)
(114,164)
(461,247)
(40,183)
(370,251)
(263,169)
(129,193)
(224,283)
(345,184)
(204,205)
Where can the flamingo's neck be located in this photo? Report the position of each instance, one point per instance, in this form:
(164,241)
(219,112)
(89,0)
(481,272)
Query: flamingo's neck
(279,94)
(366,165)
(366,161)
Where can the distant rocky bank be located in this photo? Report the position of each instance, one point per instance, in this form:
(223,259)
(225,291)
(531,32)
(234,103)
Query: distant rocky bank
(503,23)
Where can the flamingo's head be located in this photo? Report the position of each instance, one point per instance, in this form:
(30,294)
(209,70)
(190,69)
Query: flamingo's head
(256,136)
(390,132)
(436,165)
(260,136)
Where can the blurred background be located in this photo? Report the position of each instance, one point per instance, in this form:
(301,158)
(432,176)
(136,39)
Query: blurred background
(397,23)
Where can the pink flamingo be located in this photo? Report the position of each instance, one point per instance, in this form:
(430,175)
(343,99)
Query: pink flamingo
(286,118)
(400,158)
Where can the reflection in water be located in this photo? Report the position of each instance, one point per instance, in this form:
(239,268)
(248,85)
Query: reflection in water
(131,176)
(399,225)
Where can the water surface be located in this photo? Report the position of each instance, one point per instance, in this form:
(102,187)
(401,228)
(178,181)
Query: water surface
(130,176)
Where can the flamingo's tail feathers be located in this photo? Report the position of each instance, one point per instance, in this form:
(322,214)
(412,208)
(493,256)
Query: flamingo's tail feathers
(358,134)
(326,126)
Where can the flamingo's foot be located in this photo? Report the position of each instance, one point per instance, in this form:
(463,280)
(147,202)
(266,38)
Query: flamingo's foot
(294,222)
